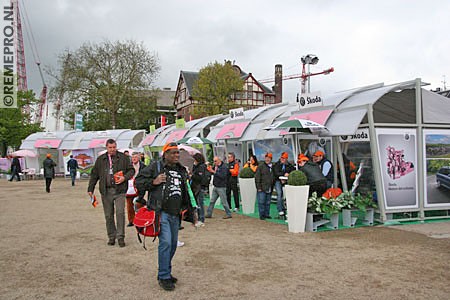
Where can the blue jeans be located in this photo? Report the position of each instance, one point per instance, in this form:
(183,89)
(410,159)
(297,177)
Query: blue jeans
(168,237)
(201,205)
(73,175)
(279,189)
(264,204)
(216,193)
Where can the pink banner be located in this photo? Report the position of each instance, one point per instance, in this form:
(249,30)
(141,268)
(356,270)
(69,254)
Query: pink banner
(320,117)
(148,139)
(176,135)
(230,131)
(97,143)
(47,143)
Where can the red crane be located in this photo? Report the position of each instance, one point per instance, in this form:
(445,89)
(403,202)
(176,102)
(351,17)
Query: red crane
(21,67)
(310,59)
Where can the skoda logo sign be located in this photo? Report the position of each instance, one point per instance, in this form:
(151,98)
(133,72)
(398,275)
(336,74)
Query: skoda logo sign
(302,101)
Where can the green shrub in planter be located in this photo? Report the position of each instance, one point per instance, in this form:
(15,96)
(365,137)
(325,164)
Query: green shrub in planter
(247,173)
(297,177)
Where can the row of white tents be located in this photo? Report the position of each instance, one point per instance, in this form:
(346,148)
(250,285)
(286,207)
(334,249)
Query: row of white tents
(361,123)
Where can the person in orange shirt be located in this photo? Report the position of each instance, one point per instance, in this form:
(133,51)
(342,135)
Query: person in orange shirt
(232,186)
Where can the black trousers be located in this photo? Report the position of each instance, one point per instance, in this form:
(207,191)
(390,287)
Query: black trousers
(48,182)
(232,187)
(14,173)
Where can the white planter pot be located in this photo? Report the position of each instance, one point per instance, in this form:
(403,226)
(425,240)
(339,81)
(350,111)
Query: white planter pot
(248,194)
(297,203)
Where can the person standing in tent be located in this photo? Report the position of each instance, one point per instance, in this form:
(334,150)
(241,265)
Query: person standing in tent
(232,185)
(264,185)
(316,181)
(113,169)
(281,168)
(325,165)
(15,169)
(49,171)
(72,166)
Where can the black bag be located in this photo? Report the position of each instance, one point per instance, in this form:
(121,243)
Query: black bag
(206,178)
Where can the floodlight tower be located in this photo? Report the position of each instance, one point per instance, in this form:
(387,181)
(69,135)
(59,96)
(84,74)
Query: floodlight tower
(310,59)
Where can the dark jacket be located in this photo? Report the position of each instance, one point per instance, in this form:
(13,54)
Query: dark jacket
(157,197)
(121,162)
(278,169)
(264,179)
(49,168)
(198,172)
(313,173)
(221,176)
(72,164)
(15,165)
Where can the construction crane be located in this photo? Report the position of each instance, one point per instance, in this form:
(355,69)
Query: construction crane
(309,59)
(21,67)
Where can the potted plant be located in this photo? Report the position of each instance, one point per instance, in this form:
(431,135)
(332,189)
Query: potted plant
(248,190)
(330,203)
(355,203)
(296,201)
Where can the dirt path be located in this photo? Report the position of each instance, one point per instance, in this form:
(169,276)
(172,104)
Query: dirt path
(53,246)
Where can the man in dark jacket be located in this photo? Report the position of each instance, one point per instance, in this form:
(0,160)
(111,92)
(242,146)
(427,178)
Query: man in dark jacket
(281,168)
(325,166)
(232,186)
(15,169)
(166,182)
(72,166)
(316,181)
(113,169)
(49,171)
(264,186)
(220,182)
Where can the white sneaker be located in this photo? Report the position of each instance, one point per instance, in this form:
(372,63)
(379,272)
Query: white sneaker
(236,209)
(180,244)
(199,224)
(281,213)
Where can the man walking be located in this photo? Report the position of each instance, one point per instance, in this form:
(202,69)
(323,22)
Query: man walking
(49,171)
(232,185)
(15,169)
(72,166)
(113,169)
(220,182)
(264,186)
(167,185)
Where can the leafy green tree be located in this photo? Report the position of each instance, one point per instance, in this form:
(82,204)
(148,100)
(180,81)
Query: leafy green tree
(101,82)
(15,123)
(214,89)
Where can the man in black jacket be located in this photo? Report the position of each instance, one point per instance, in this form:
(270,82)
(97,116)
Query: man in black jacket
(220,182)
(264,185)
(72,166)
(113,169)
(166,182)
(15,169)
(281,168)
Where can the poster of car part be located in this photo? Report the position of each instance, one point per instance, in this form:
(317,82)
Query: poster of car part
(437,159)
(397,150)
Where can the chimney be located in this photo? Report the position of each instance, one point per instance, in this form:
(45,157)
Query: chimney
(278,87)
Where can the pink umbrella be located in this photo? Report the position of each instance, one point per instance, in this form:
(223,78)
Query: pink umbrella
(188,149)
(23,153)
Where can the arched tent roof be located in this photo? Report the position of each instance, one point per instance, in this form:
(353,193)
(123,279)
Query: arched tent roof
(97,139)
(72,141)
(204,123)
(44,140)
(130,139)
(150,138)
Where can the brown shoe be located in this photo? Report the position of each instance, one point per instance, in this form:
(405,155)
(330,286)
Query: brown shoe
(121,243)
(227,217)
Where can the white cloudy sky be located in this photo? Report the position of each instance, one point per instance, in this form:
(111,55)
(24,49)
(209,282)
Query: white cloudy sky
(366,42)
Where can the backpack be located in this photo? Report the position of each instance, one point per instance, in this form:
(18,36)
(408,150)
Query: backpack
(206,178)
(147,223)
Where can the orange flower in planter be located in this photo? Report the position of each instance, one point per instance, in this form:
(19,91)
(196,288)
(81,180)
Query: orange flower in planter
(332,193)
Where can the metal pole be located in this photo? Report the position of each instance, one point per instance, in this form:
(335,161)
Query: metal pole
(309,79)
(375,164)
(341,164)
(420,153)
